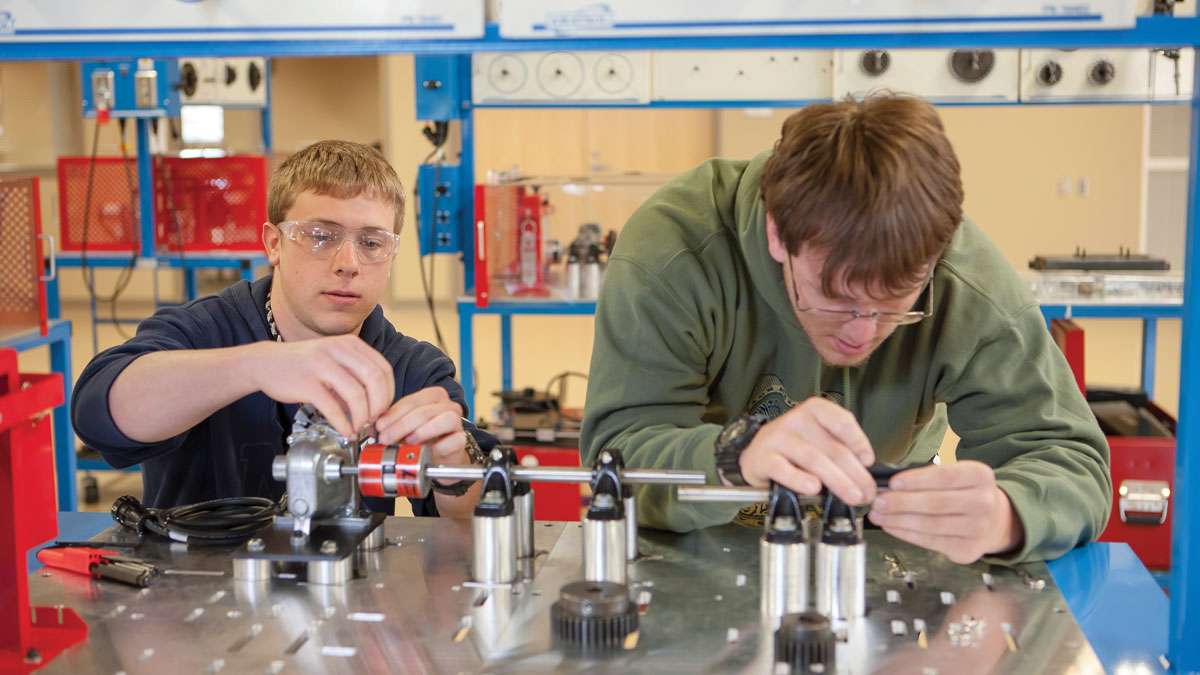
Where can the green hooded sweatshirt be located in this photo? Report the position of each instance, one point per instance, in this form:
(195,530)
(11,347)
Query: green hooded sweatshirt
(694,327)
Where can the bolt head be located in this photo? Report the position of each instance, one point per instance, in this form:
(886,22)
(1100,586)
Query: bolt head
(328,547)
(255,544)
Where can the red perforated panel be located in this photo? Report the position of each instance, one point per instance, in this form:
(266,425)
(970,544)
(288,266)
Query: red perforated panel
(22,296)
(210,204)
(111,222)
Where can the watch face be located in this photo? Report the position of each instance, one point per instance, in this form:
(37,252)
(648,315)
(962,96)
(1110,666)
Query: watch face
(732,432)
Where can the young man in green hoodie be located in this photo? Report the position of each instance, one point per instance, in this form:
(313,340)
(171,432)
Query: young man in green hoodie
(796,317)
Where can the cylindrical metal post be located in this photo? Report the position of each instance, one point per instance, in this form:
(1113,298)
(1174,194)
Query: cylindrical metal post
(842,580)
(604,550)
(523,514)
(631,528)
(495,557)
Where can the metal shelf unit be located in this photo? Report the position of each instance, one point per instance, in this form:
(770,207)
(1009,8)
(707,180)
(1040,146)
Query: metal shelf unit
(1156,31)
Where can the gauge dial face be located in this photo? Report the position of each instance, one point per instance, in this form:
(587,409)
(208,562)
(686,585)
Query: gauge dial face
(560,74)
(972,65)
(507,73)
(613,73)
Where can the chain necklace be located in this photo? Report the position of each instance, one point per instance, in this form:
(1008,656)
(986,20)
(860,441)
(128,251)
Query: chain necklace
(271,321)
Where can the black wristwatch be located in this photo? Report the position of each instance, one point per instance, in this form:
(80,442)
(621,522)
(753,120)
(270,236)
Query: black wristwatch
(459,488)
(734,438)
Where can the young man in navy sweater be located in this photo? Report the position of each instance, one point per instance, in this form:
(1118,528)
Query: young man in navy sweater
(204,395)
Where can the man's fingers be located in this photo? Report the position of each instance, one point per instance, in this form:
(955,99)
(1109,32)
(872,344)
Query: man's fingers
(349,390)
(396,429)
(788,475)
(450,447)
(843,427)
(959,475)
(829,472)
(332,409)
(441,424)
(931,502)
(411,402)
(371,370)
(962,526)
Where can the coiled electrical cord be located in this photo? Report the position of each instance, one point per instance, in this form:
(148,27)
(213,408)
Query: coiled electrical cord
(231,520)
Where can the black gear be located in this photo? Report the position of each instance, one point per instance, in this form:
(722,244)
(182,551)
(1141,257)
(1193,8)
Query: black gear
(805,640)
(593,615)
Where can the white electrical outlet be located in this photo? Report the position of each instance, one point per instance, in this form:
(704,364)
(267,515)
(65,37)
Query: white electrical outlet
(243,82)
(943,75)
(1085,75)
(561,77)
(742,75)
(198,81)
(1171,79)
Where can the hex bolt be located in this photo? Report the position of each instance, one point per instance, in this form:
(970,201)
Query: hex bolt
(329,547)
(255,544)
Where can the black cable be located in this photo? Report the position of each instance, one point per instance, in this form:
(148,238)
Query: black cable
(437,135)
(89,274)
(231,520)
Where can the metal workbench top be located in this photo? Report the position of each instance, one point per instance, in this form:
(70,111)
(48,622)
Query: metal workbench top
(416,611)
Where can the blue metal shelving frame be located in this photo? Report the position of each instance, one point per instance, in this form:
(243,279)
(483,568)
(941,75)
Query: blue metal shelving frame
(1149,32)
(58,339)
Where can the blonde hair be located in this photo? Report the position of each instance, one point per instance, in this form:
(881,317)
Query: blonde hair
(338,169)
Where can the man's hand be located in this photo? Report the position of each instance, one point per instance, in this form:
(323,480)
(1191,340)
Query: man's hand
(816,443)
(954,509)
(349,382)
(428,416)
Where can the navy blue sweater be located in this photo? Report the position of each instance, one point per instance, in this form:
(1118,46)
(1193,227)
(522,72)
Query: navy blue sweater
(230,453)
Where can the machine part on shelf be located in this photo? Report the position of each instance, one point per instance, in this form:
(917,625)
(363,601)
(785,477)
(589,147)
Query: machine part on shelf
(605,533)
(972,65)
(574,275)
(1124,260)
(875,62)
(841,564)
(1050,73)
(784,556)
(806,642)
(593,615)
(589,287)
(494,525)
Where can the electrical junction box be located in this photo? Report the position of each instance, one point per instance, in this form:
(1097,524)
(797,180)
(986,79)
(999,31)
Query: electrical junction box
(1085,75)
(231,82)
(742,75)
(939,75)
(561,78)
(131,88)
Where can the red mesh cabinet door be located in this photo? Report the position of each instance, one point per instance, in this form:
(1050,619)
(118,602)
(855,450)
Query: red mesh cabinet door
(22,295)
(210,203)
(97,204)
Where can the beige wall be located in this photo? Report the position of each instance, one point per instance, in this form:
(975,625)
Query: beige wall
(1013,161)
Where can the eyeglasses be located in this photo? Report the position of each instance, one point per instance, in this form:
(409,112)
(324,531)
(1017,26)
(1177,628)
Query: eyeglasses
(848,315)
(324,239)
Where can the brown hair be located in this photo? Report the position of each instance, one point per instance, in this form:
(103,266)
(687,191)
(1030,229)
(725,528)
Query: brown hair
(338,169)
(874,184)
